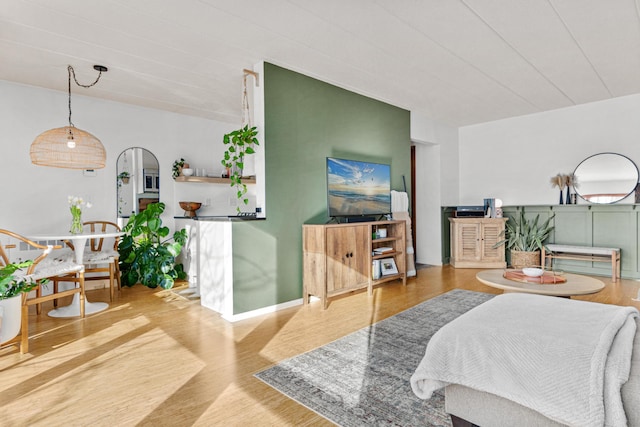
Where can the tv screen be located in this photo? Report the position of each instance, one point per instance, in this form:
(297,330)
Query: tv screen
(357,188)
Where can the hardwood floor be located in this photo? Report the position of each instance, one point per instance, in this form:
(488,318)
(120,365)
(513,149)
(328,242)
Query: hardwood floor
(156,358)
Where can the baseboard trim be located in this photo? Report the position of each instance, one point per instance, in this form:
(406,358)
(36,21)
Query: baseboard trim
(260,311)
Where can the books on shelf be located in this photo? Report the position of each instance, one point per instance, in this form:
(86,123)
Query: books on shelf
(382,250)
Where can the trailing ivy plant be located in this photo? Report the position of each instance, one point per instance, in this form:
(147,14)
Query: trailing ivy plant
(239,143)
(147,256)
(12,284)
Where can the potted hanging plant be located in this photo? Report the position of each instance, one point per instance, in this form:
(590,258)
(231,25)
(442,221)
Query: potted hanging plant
(147,254)
(12,286)
(124,177)
(239,144)
(525,239)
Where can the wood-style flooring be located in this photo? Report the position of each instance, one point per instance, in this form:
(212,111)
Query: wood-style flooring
(157,358)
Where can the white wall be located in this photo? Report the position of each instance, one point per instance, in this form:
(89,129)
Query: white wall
(514,159)
(436,183)
(34,198)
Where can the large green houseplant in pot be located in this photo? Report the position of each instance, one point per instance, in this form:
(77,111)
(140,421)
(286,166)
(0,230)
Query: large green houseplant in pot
(525,238)
(147,252)
(12,286)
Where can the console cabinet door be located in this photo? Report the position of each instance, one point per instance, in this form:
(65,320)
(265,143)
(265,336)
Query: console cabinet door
(346,261)
(491,234)
(468,242)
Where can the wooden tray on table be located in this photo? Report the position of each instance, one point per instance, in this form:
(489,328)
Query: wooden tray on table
(547,278)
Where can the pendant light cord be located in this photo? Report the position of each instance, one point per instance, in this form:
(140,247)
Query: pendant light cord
(71,72)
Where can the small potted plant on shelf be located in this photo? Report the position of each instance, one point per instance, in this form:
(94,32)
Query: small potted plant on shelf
(178,165)
(12,286)
(525,239)
(239,144)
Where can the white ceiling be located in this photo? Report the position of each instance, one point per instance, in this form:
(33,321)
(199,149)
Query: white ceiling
(458,62)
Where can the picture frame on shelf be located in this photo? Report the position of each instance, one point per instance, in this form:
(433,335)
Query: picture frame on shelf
(388,267)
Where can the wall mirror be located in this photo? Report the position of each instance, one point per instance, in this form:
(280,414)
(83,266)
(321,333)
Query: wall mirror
(606,178)
(138,180)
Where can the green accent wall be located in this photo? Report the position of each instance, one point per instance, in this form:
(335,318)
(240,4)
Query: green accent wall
(306,121)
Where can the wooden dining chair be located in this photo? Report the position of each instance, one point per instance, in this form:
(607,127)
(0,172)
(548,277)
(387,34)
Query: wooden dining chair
(99,256)
(43,267)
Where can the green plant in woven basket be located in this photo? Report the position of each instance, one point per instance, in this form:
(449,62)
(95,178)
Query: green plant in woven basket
(526,235)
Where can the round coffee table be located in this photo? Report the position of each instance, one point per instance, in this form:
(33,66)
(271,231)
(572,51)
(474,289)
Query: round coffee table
(575,284)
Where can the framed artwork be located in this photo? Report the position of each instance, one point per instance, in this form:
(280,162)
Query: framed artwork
(388,267)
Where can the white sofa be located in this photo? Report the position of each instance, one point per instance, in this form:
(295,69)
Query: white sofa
(469,407)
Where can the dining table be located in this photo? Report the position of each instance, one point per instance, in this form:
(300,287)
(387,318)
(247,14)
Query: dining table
(79,244)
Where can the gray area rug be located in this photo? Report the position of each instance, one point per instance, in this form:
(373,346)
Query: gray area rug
(363,378)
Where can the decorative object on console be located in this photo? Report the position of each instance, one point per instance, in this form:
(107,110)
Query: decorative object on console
(558,181)
(190,208)
(498,203)
(525,239)
(187,171)
(240,144)
(69,147)
(569,181)
(490,208)
(388,267)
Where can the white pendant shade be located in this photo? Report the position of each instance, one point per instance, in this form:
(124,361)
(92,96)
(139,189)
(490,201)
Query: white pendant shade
(52,148)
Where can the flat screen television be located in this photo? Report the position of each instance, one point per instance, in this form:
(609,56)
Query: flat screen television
(356,188)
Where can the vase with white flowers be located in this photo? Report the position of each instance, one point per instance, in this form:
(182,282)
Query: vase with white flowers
(75,205)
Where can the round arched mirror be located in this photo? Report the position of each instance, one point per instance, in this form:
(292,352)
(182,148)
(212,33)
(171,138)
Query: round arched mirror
(138,180)
(605,178)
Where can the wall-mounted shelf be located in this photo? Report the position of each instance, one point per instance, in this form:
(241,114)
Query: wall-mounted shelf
(212,180)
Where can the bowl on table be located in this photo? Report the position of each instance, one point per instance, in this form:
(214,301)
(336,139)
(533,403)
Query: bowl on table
(532,271)
(187,172)
(190,208)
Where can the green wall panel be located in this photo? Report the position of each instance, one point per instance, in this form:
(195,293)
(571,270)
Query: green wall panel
(307,120)
(590,225)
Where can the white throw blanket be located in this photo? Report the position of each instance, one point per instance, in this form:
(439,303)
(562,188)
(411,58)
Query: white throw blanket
(566,359)
(400,211)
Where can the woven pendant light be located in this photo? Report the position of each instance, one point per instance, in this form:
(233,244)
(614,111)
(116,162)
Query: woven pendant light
(69,147)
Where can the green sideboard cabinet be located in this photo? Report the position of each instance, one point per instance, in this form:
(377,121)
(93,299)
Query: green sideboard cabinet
(586,225)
